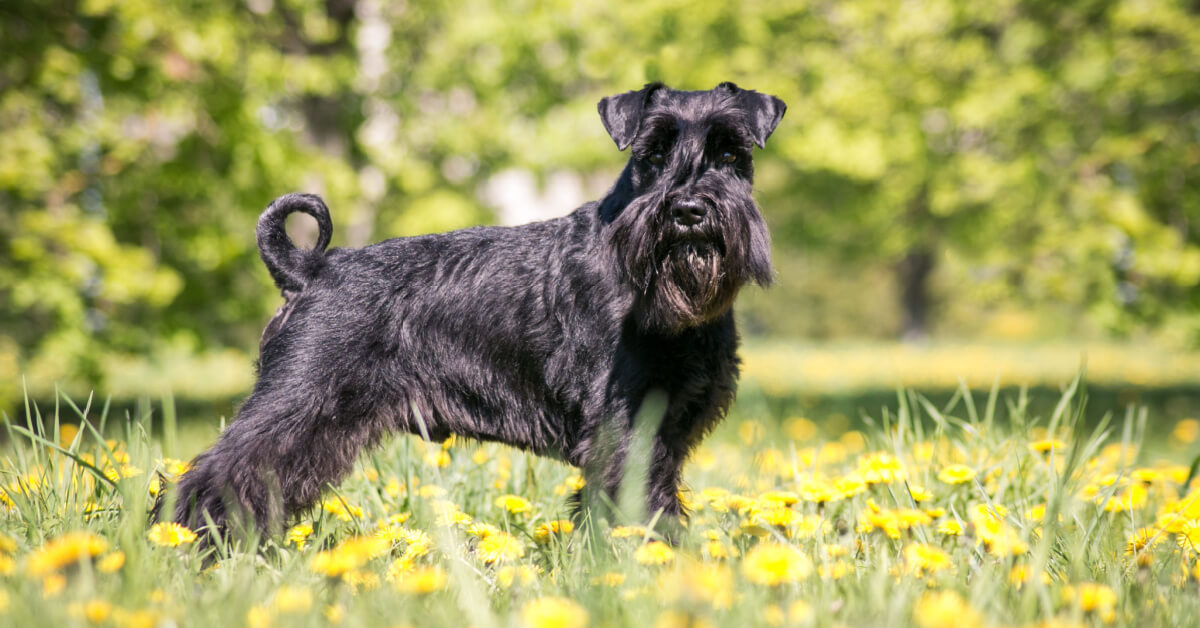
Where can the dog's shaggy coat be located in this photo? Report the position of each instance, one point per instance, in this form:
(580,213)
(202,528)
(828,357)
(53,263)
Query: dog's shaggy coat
(546,336)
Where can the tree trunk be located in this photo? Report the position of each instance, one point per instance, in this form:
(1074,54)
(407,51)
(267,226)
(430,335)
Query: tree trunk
(912,275)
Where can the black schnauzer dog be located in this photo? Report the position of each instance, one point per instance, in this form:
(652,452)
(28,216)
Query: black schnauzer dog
(546,336)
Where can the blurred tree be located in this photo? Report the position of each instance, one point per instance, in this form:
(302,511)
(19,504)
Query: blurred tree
(1046,146)
(1026,150)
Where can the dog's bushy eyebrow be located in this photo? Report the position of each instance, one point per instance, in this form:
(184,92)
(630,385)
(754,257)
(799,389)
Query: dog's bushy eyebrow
(657,129)
(730,128)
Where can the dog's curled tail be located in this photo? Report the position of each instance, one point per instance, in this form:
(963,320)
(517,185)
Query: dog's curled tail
(290,267)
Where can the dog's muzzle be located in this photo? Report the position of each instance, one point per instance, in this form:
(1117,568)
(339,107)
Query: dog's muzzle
(688,212)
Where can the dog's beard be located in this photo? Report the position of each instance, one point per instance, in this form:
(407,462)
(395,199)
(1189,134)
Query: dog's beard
(687,278)
(689,286)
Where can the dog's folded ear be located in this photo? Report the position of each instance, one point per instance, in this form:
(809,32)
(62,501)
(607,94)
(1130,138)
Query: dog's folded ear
(763,111)
(622,114)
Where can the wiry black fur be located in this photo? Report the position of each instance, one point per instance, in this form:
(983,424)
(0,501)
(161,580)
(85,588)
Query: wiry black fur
(546,336)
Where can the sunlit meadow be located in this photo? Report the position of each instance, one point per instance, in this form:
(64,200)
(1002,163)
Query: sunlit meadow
(972,513)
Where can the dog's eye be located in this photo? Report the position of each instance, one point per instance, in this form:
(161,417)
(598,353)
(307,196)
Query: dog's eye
(728,157)
(656,159)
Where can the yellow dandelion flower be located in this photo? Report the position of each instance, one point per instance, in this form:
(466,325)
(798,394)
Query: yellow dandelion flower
(545,531)
(7,544)
(1132,498)
(482,530)
(439,458)
(610,579)
(292,600)
(910,517)
(1176,513)
(500,547)
(997,511)
(997,536)
(143,618)
(1047,445)
(808,526)
(1021,574)
(514,504)
(799,428)
(654,553)
(680,619)
(170,534)
(773,564)
(1189,537)
(8,566)
(923,452)
(625,532)
(921,559)
(945,609)
(849,486)
(881,468)
(394,488)
(393,520)
(786,498)
(349,555)
(53,584)
(399,568)
(111,563)
(716,550)
(299,533)
(1143,539)
(174,467)
(952,527)
(956,474)
(334,613)
(714,498)
(1186,431)
(97,611)
(835,570)
(422,581)
(418,543)
(359,579)
(341,509)
(738,503)
(94,611)
(64,551)
(698,584)
(1092,598)
(1148,476)
(575,482)
(919,493)
(259,616)
(554,612)
(523,575)
(772,514)
(449,514)
(818,491)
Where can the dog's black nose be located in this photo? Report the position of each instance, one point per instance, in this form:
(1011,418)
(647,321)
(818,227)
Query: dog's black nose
(687,213)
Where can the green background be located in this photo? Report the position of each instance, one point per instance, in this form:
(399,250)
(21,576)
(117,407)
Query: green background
(948,172)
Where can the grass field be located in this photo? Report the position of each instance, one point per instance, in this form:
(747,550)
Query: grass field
(976,511)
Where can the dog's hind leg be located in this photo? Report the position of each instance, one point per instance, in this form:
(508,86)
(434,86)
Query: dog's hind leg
(273,460)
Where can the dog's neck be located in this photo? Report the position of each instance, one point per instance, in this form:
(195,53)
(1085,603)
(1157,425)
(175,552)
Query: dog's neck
(618,196)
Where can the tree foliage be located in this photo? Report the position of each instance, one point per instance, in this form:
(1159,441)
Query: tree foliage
(1033,152)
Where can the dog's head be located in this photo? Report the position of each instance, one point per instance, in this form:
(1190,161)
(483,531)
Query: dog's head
(681,221)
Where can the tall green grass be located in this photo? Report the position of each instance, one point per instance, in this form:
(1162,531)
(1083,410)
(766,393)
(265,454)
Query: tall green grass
(766,545)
